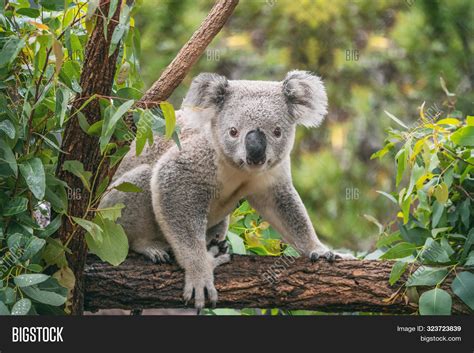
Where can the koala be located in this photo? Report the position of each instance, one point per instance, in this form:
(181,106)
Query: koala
(236,139)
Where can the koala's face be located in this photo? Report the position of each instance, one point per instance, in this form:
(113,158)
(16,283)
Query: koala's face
(253,122)
(253,128)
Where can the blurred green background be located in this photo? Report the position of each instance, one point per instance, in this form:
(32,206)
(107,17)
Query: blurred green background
(372,55)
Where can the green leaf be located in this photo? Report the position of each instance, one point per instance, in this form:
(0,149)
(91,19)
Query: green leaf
(129,93)
(28,12)
(144,131)
(62,99)
(55,253)
(441,193)
(463,287)
(125,107)
(92,228)
(21,307)
(401,163)
(406,203)
(438,210)
(388,240)
(388,196)
(112,213)
(394,118)
(3,309)
(34,246)
(465,211)
(170,118)
(379,154)
(94,129)
(120,29)
(470,260)
(8,128)
(7,156)
(435,302)
(30,279)
(33,172)
(48,292)
(434,252)
(414,235)
(7,295)
(53,5)
(118,155)
(15,206)
(51,228)
(236,243)
(77,168)
(111,118)
(399,251)
(102,186)
(464,136)
(114,246)
(127,187)
(83,123)
(468,244)
(10,50)
(397,271)
(426,276)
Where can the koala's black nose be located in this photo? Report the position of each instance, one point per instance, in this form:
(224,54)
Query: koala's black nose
(256,146)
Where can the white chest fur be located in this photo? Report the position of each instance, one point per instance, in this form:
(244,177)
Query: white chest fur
(235,184)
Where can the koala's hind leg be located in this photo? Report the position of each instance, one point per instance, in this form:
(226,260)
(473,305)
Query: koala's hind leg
(155,250)
(138,220)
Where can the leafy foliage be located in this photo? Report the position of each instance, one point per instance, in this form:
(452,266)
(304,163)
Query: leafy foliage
(42,50)
(435,222)
(249,234)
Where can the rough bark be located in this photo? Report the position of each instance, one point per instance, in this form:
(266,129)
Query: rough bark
(342,286)
(96,78)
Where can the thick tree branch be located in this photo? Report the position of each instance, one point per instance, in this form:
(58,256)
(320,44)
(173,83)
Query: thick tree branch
(342,286)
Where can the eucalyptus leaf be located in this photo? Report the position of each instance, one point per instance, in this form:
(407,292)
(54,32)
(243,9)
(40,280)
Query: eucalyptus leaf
(21,307)
(27,280)
(435,302)
(33,172)
(463,287)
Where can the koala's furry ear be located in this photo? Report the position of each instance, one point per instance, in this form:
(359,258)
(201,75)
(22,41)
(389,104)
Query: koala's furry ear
(306,97)
(207,91)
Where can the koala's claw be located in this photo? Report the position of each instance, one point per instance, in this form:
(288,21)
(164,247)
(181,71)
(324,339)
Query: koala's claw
(196,289)
(218,248)
(328,255)
(157,255)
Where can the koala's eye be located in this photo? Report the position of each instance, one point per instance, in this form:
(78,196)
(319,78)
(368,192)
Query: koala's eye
(233,132)
(277,132)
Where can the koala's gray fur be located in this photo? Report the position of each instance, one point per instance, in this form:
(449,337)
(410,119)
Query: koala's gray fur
(188,194)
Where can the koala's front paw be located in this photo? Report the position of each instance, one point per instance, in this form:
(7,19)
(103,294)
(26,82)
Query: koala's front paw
(329,255)
(196,284)
(326,254)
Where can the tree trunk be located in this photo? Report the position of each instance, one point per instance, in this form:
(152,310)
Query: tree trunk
(96,78)
(254,282)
